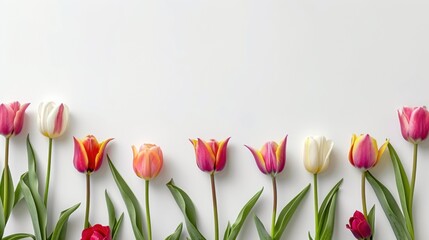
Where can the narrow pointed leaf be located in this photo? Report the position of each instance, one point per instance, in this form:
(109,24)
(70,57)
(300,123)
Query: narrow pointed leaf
(11,193)
(131,202)
(287,213)
(309,236)
(117,226)
(188,209)
(262,232)
(390,208)
(227,231)
(327,212)
(236,227)
(17,236)
(371,220)
(176,234)
(62,223)
(110,210)
(2,221)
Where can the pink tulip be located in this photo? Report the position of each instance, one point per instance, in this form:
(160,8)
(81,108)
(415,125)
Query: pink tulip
(88,153)
(364,153)
(414,123)
(271,159)
(359,226)
(96,232)
(148,161)
(211,155)
(12,118)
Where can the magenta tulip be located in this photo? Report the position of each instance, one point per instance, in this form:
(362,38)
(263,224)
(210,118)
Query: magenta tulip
(211,155)
(359,226)
(271,159)
(12,118)
(414,123)
(364,153)
(96,232)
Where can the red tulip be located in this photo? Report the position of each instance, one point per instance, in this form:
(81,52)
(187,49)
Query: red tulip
(359,226)
(96,232)
(12,118)
(148,161)
(414,123)
(88,153)
(211,155)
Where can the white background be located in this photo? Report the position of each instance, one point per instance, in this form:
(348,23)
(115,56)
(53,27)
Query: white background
(165,71)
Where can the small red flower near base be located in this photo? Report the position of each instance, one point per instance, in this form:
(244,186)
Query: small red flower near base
(96,232)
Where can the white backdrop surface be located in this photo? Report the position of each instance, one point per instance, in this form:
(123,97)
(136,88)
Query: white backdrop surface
(165,71)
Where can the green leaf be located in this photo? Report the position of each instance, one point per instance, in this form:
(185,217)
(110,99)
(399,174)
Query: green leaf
(11,193)
(117,226)
(176,234)
(287,213)
(309,236)
(236,227)
(60,229)
(390,208)
(403,186)
(110,210)
(32,166)
(371,220)
(18,195)
(327,212)
(188,209)
(131,202)
(227,231)
(2,221)
(17,236)
(262,232)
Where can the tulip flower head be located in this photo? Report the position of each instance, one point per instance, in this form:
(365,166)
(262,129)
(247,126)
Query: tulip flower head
(364,153)
(88,153)
(96,232)
(210,155)
(316,153)
(359,226)
(414,123)
(53,119)
(12,118)
(271,159)
(148,161)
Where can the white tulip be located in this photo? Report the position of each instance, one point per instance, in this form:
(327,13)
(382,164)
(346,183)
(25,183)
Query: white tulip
(316,153)
(53,119)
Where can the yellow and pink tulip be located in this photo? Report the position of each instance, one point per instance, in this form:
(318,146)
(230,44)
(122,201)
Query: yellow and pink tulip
(364,152)
(271,159)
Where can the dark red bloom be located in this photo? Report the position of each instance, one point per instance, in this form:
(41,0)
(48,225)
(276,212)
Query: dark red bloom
(359,226)
(96,232)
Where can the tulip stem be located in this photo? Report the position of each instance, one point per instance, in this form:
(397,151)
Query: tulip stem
(365,212)
(316,208)
(215,215)
(48,174)
(6,179)
(88,192)
(149,226)
(273,218)
(413,176)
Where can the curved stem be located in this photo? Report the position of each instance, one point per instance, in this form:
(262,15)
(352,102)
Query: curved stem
(216,221)
(6,179)
(316,208)
(48,174)
(273,218)
(88,197)
(365,212)
(149,226)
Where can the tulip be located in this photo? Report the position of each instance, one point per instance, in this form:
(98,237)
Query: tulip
(148,161)
(12,118)
(88,156)
(211,155)
(271,159)
(88,153)
(359,226)
(414,123)
(53,119)
(316,154)
(364,153)
(96,232)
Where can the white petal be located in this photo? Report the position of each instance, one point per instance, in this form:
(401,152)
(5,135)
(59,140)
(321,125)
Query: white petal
(311,155)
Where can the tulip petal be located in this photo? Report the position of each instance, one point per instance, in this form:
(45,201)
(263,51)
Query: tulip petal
(417,129)
(61,119)
(6,119)
(351,149)
(80,159)
(260,162)
(268,152)
(19,119)
(205,157)
(382,149)
(403,121)
(311,155)
(100,154)
(221,155)
(281,155)
(326,150)
(365,152)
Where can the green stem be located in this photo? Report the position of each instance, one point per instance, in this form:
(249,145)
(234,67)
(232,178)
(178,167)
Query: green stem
(48,174)
(6,179)
(273,218)
(149,226)
(216,221)
(365,212)
(316,208)
(413,176)
(88,197)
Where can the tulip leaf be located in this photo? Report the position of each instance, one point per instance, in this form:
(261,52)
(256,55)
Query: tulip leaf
(60,229)
(188,209)
(177,233)
(371,220)
(287,213)
(114,223)
(234,230)
(11,193)
(2,221)
(227,231)
(390,208)
(403,186)
(309,236)
(17,236)
(262,232)
(131,202)
(327,212)
(18,194)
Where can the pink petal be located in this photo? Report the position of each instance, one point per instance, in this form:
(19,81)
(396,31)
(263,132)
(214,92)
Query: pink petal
(19,119)
(221,155)
(259,159)
(205,156)
(80,159)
